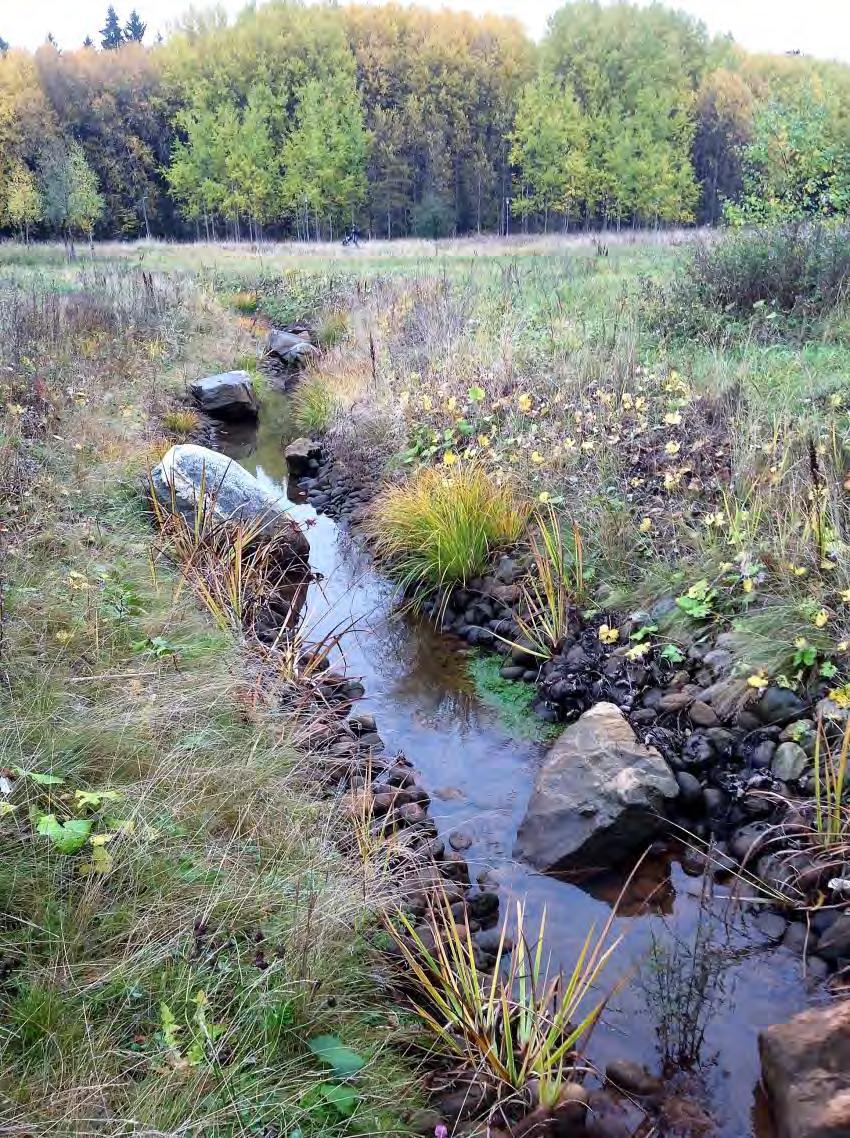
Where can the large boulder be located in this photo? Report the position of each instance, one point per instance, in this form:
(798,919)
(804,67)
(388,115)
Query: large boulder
(806,1071)
(230,395)
(598,798)
(289,347)
(189,473)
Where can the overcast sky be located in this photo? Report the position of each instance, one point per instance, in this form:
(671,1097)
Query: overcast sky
(815,27)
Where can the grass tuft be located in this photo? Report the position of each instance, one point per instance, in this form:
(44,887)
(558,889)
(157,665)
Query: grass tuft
(441,527)
(517,1025)
(181,421)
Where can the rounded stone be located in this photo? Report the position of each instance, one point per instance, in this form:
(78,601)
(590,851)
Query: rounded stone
(690,790)
(459,840)
(702,715)
(789,762)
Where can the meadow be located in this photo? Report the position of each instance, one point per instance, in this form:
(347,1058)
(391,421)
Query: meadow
(657,427)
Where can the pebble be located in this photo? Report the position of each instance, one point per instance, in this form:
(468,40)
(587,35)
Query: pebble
(789,762)
(488,941)
(632,1077)
(835,940)
(748,839)
(690,790)
(702,715)
(797,938)
(772,925)
(779,705)
(676,701)
(459,840)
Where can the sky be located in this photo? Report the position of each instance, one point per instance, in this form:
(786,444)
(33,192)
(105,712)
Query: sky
(815,27)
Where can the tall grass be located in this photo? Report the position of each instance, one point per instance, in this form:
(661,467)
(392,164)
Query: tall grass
(832,811)
(441,527)
(517,1023)
(237,568)
(557,580)
(313,405)
(178,914)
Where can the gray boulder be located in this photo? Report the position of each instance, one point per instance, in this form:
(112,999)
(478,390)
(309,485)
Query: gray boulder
(806,1071)
(188,472)
(598,798)
(289,347)
(229,395)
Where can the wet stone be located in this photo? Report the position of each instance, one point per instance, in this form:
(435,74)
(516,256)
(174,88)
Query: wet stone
(779,705)
(459,840)
(772,925)
(632,1077)
(690,791)
(835,940)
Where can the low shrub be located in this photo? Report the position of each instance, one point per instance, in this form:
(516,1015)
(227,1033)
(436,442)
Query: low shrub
(778,281)
(441,527)
(245,303)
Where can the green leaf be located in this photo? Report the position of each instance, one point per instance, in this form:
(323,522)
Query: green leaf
(476,394)
(331,1050)
(40,779)
(67,837)
(343,1100)
(672,654)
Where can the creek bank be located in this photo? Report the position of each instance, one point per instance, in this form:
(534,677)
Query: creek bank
(739,755)
(336,494)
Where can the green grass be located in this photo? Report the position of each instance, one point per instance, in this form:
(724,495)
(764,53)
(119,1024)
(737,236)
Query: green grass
(181,927)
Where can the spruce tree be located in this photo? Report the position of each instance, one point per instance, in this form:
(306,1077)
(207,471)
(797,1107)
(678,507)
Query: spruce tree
(88,42)
(4,46)
(134,28)
(111,34)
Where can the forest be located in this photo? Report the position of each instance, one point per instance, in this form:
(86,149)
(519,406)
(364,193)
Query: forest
(299,121)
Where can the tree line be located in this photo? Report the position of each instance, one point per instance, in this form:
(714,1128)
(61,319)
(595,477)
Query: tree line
(298,120)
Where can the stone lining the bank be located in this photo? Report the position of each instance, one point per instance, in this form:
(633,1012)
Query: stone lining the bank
(741,758)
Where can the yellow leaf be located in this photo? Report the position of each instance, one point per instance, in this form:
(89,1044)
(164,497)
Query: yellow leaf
(645,525)
(608,635)
(524,402)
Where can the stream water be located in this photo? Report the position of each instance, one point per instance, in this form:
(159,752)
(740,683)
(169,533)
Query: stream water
(716,965)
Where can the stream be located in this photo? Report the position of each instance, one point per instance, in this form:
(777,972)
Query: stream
(728,975)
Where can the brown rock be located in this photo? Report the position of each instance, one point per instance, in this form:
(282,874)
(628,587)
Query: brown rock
(806,1071)
(684,1118)
(632,1077)
(677,700)
(703,715)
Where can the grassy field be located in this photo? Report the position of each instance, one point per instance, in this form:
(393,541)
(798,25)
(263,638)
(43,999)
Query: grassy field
(180,926)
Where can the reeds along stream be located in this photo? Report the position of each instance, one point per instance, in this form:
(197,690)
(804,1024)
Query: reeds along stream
(703,975)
